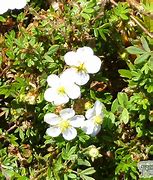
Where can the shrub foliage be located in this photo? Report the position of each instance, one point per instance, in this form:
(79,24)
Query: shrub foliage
(33,42)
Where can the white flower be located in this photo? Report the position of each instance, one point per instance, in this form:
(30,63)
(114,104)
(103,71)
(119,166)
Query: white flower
(16,4)
(61,89)
(11,4)
(55,5)
(64,124)
(83,62)
(3,7)
(94,119)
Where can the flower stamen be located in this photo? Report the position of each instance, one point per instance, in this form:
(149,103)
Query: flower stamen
(81,68)
(61,90)
(98,120)
(64,125)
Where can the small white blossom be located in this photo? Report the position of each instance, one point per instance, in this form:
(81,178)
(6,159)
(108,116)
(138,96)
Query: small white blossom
(11,4)
(16,4)
(55,5)
(61,89)
(3,7)
(64,124)
(94,119)
(83,62)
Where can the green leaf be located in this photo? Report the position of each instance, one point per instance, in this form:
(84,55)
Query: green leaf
(131,66)
(90,4)
(48,58)
(141,58)
(124,17)
(88,10)
(65,177)
(13,140)
(84,177)
(124,116)
(108,120)
(10,54)
(8,173)
(125,73)
(2,19)
(85,16)
(150,89)
(68,152)
(92,94)
(135,50)
(104,30)
(139,132)
(72,150)
(88,171)
(95,32)
(150,63)
(21,134)
(72,176)
(102,34)
(122,99)
(83,137)
(84,162)
(53,49)
(4,89)
(112,118)
(145,44)
(114,106)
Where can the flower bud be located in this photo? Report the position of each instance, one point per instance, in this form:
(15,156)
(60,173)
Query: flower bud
(94,153)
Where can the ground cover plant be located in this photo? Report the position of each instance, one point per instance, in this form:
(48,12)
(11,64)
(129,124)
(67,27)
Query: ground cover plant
(76,89)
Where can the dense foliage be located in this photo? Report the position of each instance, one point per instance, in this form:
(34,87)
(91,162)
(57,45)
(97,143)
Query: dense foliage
(33,42)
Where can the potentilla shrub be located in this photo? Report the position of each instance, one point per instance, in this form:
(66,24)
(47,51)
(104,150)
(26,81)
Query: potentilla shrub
(76,89)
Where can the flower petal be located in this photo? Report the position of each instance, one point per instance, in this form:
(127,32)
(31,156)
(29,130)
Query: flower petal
(3,7)
(81,78)
(85,51)
(73,91)
(93,64)
(98,107)
(90,113)
(51,118)
(88,126)
(71,58)
(49,94)
(53,131)
(19,4)
(69,134)
(67,113)
(96,130)
(68,76)
(53,80)
(60,99)
(77,121)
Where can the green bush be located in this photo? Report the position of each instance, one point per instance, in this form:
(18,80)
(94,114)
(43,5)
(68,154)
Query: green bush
(33,42)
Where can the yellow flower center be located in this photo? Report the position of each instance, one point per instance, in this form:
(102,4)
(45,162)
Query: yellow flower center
(98,120)
(81,68)
(64,125)
(61,90)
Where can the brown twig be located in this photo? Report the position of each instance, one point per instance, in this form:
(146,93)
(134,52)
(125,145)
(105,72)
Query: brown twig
(141,26)
(4,70)
(39,173)
(137,22)
(11,128)
(136,5)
